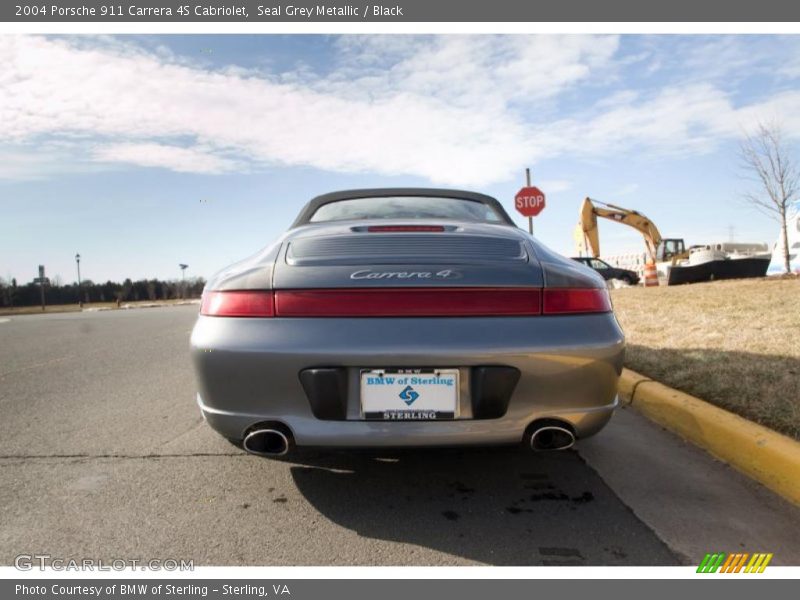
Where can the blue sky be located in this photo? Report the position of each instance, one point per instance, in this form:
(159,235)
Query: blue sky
(143,152)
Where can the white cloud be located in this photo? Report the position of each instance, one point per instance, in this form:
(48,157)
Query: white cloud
(478,71)
(176,158)
(553,186)
(691,119)
(33,162)
(466,110)
(24,165)
(52,87)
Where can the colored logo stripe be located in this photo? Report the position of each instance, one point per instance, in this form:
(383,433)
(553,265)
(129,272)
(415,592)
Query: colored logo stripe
(711,562)
(758,563)
(702,566)
(741,562)
(733,563)
(726,566)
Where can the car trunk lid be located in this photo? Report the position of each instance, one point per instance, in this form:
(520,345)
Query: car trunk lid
(399,255)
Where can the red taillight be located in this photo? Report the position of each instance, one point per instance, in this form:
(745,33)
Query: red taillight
(396,228)
(405,302)
(571,301)
(408,302)
(238,304)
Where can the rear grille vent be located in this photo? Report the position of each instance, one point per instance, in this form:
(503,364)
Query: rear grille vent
(404,248)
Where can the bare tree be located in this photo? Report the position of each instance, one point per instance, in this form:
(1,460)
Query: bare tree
(766,159)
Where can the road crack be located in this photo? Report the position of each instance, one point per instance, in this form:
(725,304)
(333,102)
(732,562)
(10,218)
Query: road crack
(149,456)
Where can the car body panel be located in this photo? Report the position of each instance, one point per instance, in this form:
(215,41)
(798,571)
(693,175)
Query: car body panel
(250,367)
(336,256)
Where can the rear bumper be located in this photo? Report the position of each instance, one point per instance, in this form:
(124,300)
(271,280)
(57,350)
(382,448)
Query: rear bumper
(365,434)
(248,372)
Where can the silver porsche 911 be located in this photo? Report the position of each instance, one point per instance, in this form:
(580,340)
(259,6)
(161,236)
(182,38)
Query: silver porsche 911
(406,317)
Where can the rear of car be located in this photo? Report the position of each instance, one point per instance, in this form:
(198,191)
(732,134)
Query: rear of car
(402,318)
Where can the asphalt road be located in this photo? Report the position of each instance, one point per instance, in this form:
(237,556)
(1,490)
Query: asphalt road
(104,454)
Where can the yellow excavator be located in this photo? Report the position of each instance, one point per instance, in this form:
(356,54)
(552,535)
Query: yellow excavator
(706,263)
(587,238)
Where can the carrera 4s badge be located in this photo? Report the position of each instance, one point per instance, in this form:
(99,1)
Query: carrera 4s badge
(369,274)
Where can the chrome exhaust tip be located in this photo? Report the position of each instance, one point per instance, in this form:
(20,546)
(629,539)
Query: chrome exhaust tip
(552,437)
(266,442)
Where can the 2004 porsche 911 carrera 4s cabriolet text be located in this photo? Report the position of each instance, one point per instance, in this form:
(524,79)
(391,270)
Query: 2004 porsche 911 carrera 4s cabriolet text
(406,317)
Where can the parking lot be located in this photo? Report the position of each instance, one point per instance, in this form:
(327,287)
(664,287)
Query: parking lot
(104,454)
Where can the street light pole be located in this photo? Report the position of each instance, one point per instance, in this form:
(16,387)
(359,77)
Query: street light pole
(80,295)
(183,280)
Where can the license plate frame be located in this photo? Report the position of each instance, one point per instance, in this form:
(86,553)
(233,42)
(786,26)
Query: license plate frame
(392,402)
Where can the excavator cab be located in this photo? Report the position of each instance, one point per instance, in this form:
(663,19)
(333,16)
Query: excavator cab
(669,248)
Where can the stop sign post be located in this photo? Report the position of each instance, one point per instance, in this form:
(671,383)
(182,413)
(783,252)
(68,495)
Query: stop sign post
(529,201)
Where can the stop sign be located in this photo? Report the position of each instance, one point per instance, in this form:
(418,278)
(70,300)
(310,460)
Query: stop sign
(529,201)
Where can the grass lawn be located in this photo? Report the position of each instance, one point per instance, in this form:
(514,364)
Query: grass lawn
(735,344)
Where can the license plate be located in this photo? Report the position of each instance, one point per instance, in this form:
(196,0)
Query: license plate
(409,394)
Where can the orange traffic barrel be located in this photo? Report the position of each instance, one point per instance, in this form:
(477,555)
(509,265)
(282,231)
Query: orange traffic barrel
(650,275)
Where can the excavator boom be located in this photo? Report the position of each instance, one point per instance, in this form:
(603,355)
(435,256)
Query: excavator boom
(587,236)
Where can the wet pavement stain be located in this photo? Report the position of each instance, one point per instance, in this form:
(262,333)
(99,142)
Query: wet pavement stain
(538,476)
(557,496)
(479,508)
(515,510)
(461,488)
(549,496)
(557,556)
(556,551)
(539,486)
(618,553)
(562,563)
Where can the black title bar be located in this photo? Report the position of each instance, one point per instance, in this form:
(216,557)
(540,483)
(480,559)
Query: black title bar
(189,11)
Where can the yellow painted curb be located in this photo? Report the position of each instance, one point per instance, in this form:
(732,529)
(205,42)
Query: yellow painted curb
(765,455)
(629,381)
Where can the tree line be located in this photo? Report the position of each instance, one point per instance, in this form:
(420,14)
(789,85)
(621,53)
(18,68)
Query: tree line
(29,294)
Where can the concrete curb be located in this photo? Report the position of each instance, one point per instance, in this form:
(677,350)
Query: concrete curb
(760,453)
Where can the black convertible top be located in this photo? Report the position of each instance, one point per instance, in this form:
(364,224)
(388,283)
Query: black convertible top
(309,209)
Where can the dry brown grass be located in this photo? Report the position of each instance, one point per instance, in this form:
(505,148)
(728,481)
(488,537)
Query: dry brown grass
(735,344)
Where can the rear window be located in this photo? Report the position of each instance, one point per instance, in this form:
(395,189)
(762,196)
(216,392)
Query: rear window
(407,207)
